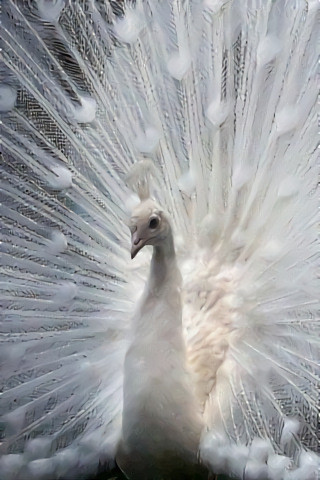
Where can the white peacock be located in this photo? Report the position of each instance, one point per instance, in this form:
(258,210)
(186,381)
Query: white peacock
(207,112)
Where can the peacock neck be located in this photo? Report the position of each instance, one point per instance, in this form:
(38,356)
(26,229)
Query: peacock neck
(164,272)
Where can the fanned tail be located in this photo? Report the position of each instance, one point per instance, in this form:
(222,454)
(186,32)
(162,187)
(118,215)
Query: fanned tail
(251,302)
(64,291)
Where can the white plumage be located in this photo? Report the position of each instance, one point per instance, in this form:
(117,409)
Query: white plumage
(161,420)
(207,110)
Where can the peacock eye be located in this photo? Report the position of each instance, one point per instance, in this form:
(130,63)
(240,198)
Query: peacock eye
(153,223)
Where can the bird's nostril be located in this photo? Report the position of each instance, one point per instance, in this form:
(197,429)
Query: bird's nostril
(137,240)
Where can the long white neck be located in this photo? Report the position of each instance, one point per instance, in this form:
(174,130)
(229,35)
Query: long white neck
(158,391)
(164,273)
(160,308)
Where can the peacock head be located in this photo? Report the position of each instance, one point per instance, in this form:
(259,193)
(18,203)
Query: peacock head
(148,225)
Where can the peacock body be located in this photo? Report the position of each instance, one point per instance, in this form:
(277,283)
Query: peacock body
(206,110)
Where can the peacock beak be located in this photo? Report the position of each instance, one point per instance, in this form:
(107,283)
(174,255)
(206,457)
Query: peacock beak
(136,244)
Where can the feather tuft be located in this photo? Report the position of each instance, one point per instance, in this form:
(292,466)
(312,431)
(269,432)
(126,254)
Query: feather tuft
(141,178)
